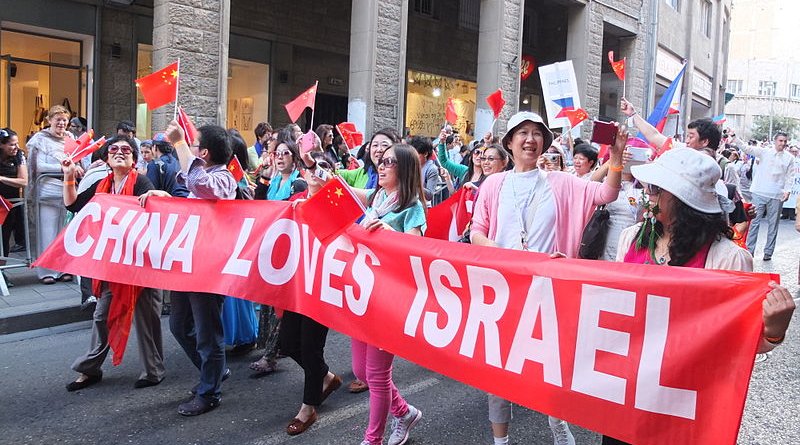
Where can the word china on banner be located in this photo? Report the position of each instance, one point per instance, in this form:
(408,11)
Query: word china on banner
(560,92)
(614,349)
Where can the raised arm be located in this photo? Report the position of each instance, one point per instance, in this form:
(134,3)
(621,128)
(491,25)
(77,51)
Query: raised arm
(650,133)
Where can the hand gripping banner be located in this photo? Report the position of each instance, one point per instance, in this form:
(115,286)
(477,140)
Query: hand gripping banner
(646,354)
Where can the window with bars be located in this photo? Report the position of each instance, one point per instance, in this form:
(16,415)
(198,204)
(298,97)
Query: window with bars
(675,4)
(424,7)
(705,17)
(794,91)
(767,87)
(469,14)
(735,86)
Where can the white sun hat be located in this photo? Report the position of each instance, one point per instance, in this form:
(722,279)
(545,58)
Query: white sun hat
(687,174)
(524,116)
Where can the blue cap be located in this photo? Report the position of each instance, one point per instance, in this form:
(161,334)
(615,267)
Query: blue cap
(160,137)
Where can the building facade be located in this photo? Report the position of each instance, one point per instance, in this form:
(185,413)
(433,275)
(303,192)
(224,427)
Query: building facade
(378,62)
(764,69)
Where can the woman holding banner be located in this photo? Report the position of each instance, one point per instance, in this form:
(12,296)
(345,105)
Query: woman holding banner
(301,337)
(686,226)
(397,203)
(528,209)
(111,323)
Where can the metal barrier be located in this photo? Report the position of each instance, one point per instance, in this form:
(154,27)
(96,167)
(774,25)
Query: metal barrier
(15,263)
(440,193)
(33,195)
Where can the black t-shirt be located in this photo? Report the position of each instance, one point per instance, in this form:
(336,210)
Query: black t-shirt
(9,168)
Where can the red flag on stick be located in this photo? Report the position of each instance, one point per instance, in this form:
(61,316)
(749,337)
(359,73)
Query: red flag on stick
(307,99)
(496,102)
(450,114)
(80,154)
(73,146)
(576,116)
(331,210)
(5,208)
(186,124)
(618,66)
(350,134)
(161,87)
(235,167)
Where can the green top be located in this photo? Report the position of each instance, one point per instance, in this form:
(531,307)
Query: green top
(354,178)
(406,219)
(457,171)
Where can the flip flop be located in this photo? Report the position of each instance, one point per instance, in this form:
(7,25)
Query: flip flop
(65,278)
(47,280)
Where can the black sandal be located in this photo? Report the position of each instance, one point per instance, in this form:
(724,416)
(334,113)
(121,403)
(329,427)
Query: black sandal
(47,280)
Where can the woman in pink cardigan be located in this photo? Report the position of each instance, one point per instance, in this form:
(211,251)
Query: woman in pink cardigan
(529,209)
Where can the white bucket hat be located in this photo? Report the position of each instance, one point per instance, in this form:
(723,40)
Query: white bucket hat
(687,174)
(523,116)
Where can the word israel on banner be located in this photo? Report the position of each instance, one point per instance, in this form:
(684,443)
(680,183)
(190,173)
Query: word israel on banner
(646,354)
(560,92)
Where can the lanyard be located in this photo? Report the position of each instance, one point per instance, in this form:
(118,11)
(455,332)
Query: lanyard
(522,211)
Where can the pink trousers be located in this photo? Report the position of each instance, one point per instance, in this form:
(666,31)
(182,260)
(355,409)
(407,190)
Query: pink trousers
(374,366)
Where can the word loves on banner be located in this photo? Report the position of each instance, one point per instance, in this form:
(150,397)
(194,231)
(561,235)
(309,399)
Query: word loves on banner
(646,354)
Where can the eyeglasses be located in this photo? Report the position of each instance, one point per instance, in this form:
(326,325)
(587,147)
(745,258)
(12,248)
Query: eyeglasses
(477,152)
(325,165)
(284,153)
(652,190)
(488,158)
(124,149)
(388,162)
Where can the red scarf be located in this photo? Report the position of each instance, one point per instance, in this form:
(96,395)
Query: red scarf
(120,314)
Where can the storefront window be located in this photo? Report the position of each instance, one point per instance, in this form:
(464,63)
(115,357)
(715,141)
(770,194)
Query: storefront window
(248,98)
(426,100)
(36,73)
(144,117)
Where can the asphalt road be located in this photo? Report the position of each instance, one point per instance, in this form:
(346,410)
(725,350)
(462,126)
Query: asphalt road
(36,409)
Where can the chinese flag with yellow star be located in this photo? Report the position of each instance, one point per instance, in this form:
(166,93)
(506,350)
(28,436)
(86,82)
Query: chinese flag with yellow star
(331,210)
(617,65)
(307,99)
(159,88)
(576,116)
(235,167)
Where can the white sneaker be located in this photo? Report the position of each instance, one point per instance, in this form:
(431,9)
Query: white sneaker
(561,433)
(402,425)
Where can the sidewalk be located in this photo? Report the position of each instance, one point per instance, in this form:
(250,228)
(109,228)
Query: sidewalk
(33,305)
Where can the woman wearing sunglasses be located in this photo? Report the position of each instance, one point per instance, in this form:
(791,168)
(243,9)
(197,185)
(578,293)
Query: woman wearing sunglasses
(685,226)
(121,155)
(366,177)
(463,174)
(282,186)
(302,338)
(397,203)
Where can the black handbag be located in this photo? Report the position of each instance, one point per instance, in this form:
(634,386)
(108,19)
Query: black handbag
(595,234)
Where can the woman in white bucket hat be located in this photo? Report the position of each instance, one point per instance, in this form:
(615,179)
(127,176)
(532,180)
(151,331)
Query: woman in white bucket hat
(529,209)
(686,226)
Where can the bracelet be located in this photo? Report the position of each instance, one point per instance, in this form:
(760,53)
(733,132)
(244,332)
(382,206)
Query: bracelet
(71,182)
(616,168)
(775,340)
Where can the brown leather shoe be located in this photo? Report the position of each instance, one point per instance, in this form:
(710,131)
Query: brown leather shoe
(357,386)
(297,426)
(334,384)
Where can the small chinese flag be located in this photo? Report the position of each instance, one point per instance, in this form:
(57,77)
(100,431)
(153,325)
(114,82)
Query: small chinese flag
(331,210)
(450,114)
(576,116)
(350,134)
(161,87)
(74,146)
(618,66)
(5,207)
(78,155)
(496,102)
(307,99)
(189,131)
(235,167)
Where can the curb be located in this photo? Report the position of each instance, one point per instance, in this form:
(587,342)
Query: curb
(43,319)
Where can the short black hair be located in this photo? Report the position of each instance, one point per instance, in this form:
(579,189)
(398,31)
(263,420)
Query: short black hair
(586,150)
(114,139)
(262,128)
(216,140)
(126,126)
(422,145)
(707,129)
(239,147)
(780,133)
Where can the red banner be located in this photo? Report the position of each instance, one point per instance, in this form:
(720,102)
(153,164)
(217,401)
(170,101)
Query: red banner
(646,354)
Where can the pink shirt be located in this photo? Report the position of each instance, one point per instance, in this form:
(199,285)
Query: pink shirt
(575,201)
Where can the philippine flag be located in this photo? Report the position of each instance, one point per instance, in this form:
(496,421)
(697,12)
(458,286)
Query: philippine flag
(566,104)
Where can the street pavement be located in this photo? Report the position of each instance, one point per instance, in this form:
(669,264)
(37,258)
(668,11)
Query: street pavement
(36,409)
